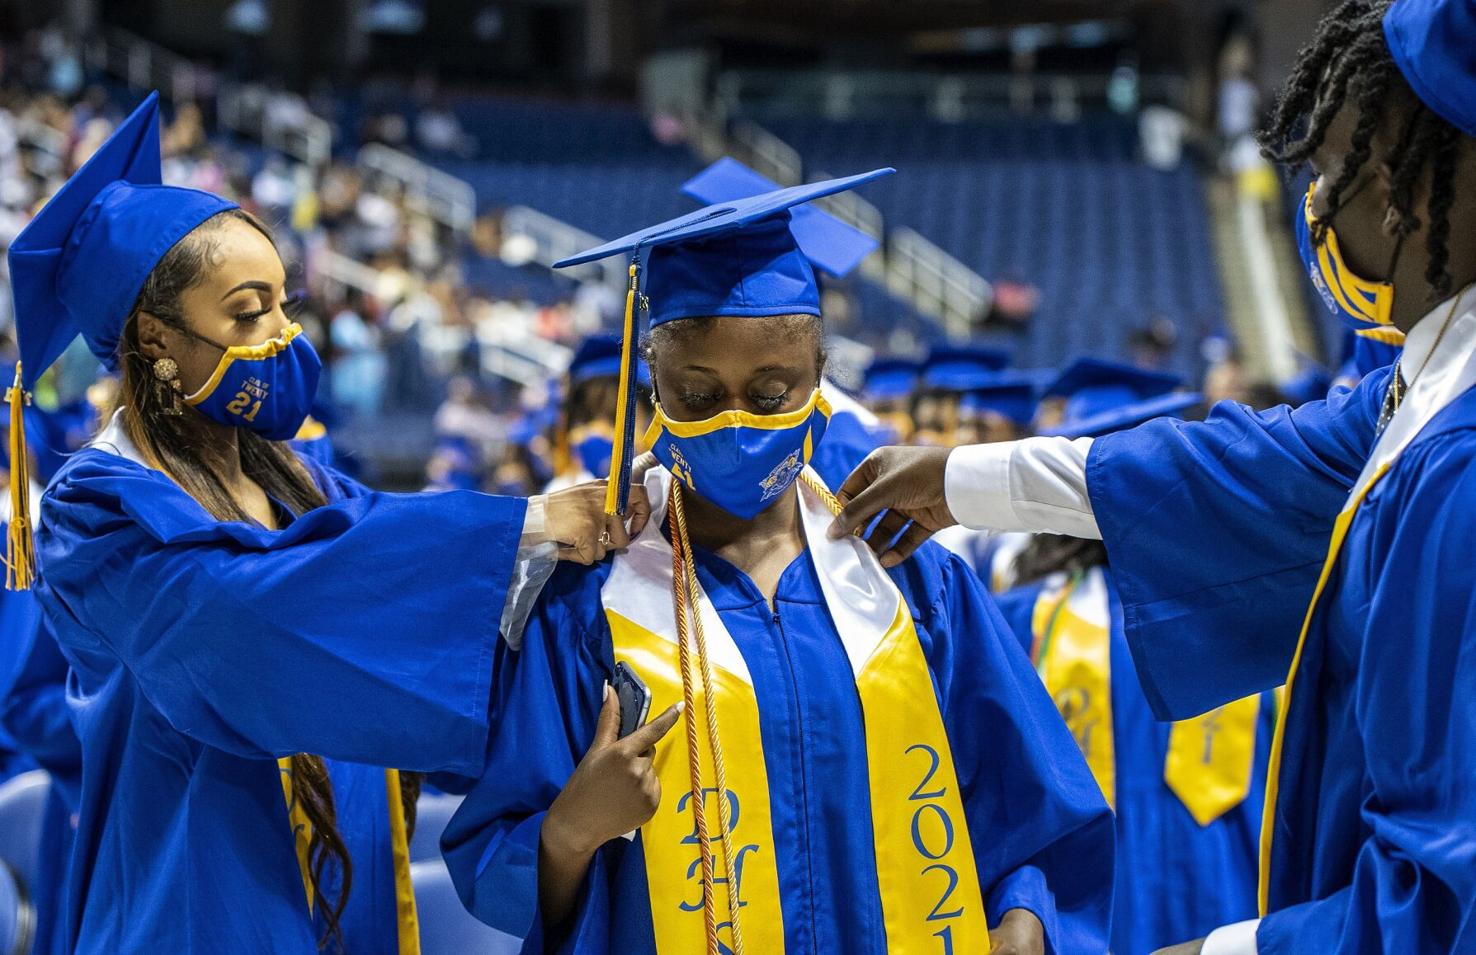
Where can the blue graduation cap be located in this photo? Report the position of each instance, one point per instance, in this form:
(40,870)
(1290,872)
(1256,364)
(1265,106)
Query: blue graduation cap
(598,356)
(1011,394)
(888,378)
(960,368)
(78,267)
(736,257)
(1433,42)
(1104,396)
(829,244)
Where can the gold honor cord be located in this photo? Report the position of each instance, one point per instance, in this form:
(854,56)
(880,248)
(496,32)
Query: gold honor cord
(686,591)
(694,755)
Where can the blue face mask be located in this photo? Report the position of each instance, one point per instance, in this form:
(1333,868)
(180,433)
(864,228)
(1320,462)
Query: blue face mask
(593,445)
(739,461)
(267,388)
(1362,305)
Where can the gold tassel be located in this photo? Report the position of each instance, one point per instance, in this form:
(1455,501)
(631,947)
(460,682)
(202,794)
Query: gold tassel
(618,474)
(20,555)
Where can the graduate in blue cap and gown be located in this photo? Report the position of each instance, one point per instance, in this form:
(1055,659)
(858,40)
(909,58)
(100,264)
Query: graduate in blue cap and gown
(887,390)
(834,250)
(948,373)
(866,761)
(1326,547)
(252,637)
(1187,795)
(585,434)
(1000,407)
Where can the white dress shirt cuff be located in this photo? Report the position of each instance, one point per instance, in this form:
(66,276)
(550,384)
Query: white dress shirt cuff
(1036,485)
(1237,939)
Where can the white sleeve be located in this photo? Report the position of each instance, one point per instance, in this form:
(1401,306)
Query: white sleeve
(1237,939)
(1037,485)
(532,566)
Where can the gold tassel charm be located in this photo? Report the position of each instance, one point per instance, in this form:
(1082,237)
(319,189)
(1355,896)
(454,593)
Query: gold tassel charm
(20,556)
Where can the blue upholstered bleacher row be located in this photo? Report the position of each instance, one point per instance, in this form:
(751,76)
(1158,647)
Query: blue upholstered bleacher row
(1109,241)
(1069,208)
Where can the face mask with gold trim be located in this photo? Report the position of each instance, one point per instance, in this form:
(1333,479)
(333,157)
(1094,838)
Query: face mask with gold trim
(1360,303)
(267,388)
(739,461)
(593,445)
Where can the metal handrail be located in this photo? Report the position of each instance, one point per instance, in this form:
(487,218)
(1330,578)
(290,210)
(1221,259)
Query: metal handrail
(435,192)
(915,269)
(241,107)
(555,239)
(936,283)
(326,263)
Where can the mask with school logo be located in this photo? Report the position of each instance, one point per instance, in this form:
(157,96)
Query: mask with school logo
(741,462)
(267,388)
(1363,305)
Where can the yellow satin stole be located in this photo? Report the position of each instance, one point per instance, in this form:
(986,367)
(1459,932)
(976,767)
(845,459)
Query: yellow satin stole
(930,894)
(1210,757)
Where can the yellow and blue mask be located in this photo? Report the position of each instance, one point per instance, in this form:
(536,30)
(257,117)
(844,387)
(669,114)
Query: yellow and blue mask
(737,460)
(593,445)
(746,255)
(266,388)
(1363,305)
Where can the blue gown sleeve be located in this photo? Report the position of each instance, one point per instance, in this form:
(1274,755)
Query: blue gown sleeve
(1043,835)
(364,631)
(33,694)
(1216,532)
(548,697)
(1414,884)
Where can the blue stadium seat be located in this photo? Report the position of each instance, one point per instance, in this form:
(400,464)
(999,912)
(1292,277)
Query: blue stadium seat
(432,812)
(17,916)
(446,927)
(22,812)
(1109,242)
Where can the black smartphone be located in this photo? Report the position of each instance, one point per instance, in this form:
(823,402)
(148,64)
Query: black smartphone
(634,696)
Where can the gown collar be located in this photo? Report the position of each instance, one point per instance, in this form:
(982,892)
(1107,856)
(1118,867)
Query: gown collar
(114,440)
(1435,377)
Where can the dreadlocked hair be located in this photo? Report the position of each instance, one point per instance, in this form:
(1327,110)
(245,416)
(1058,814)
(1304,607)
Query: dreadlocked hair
(1349,61)
(171,443)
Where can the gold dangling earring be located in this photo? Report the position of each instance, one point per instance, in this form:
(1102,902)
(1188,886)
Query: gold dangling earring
(167,386)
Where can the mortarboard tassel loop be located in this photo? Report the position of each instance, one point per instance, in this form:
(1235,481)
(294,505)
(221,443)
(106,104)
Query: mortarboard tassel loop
(20,555)
(617,487)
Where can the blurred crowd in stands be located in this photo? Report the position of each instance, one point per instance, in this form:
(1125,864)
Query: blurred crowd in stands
(403,334)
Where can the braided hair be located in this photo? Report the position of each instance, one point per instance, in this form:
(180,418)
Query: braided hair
(1349,61)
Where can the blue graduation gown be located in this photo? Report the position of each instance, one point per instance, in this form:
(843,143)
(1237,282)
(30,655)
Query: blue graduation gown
(203,650)
(33,713)
(848,440)
(1176,879)
(1216,532)
(1374,840)
(1040,828)
(369,922)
